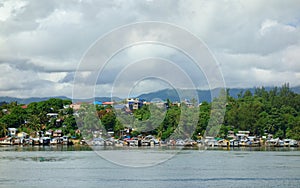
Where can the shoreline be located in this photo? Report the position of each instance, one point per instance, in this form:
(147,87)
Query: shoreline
(65,148)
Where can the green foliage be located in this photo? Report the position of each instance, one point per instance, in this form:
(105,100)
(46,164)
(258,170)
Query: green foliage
(109,121)
(3,129)
(276,112)
(34,117)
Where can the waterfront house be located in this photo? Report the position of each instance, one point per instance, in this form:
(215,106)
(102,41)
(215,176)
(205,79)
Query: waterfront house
(49,133)
(210,141)
(242,135)
(231,135)
(12,132)
(22,135)
(58,133)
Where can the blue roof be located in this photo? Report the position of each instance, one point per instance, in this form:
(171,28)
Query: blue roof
(97,102)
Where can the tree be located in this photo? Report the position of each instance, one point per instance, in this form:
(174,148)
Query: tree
(3,129)
(109,121)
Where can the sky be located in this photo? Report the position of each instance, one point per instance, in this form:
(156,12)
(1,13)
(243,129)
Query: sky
(46,46)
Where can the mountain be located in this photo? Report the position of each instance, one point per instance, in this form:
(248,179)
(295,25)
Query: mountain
(29,100)
(296,89)
(100,99)
(38,99)
(172,94)
(176,95)
(203,95)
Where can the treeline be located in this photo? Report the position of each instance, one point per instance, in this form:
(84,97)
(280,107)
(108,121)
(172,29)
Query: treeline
(33,118)
(263,112)
(276,111)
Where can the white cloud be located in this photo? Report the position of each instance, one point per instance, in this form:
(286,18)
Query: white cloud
(9,7)
(41,43)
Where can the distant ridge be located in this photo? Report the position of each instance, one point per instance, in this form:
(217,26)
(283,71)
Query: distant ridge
(30,99)
(204,95)
(172,94)
(39,99)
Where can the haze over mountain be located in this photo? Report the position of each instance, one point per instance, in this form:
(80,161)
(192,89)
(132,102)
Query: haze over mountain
(173,95)
(203,95)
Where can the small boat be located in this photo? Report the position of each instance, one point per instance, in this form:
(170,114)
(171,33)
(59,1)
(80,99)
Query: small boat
(35,141)
(5,141)
(45,141)
(211,141)
(290,143)
(234,143)
(275,142)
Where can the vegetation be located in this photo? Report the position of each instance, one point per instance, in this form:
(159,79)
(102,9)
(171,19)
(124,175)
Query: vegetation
(276,112)
(33,117)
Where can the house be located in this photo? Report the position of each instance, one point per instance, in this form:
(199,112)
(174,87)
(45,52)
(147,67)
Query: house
(52,115)
(49,133)
(12,132)
(97,103)
(242,135)
(134,103)
(22,135)
(160,104)
(75,106)
(108,103)
(24,106)
(231,135)
(58,133)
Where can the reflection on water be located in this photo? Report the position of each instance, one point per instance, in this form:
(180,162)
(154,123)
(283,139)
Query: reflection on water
(164,148)
(46,148)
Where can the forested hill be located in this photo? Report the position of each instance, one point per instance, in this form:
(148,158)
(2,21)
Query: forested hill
(204,95)
(29,100)
(39,99)
(276,112)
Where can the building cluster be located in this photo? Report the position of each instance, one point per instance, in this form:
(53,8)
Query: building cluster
(50,137)
(243,139)
(238,139)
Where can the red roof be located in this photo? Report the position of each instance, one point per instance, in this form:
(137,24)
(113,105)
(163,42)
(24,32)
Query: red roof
(108,103)
(24,106)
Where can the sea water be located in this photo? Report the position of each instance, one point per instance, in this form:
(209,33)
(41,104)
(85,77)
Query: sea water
(69,167)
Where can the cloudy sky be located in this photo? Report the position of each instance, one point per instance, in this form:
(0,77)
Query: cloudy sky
(44,44)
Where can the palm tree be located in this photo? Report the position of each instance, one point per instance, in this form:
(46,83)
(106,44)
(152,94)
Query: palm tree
(3,130)
(34,123)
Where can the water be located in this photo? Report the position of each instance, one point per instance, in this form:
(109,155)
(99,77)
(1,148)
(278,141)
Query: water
(82,167)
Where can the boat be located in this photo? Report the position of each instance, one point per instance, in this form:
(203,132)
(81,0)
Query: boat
(5,141)
(45,141)
(34,141)
(55,141)
(275,142)
(234,143)
(211,141)
(290,143)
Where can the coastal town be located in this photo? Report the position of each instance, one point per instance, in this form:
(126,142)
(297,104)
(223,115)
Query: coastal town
(240,139)
(260,118)
(127,139)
